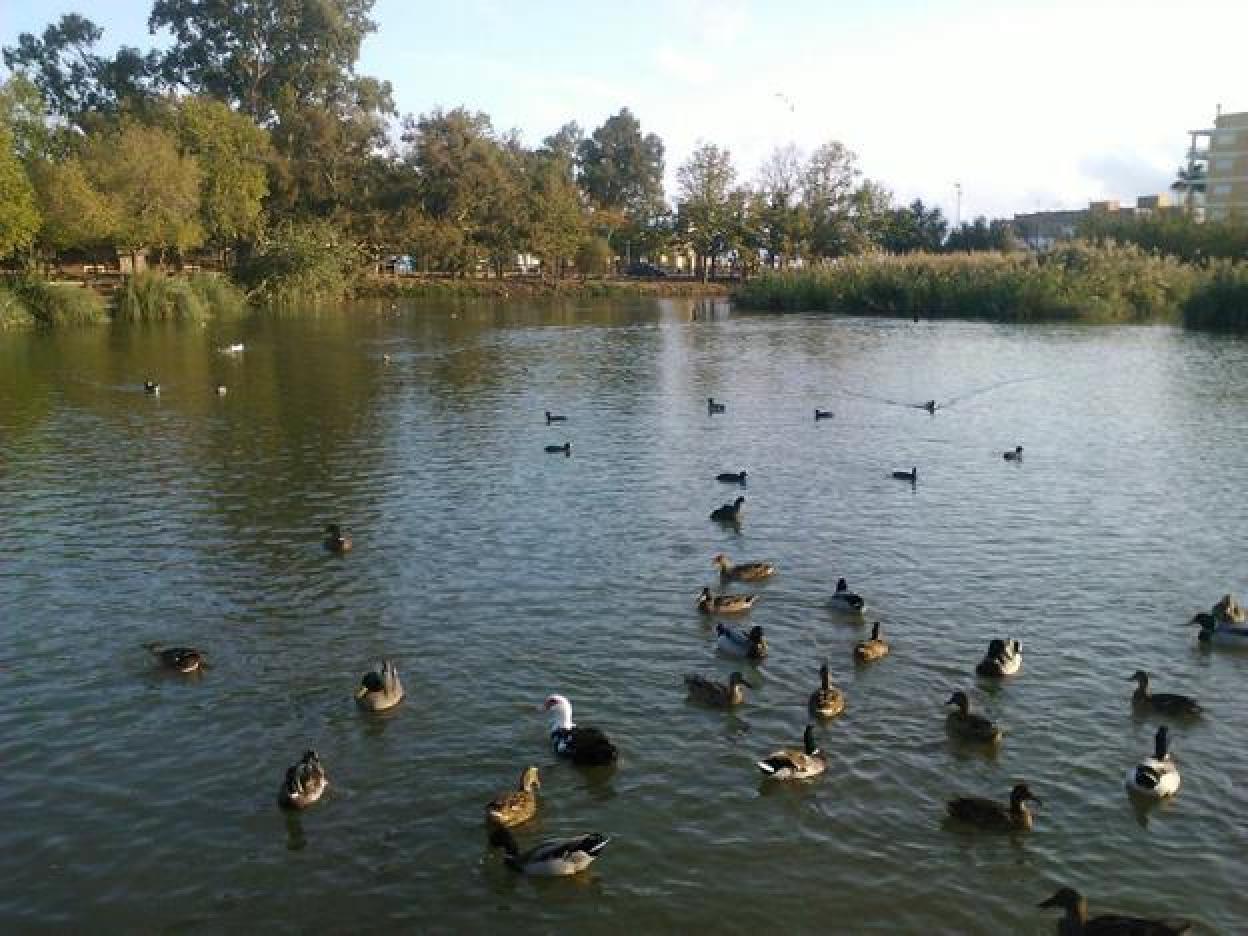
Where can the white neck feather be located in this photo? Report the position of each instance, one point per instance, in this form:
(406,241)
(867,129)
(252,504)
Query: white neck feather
(561,716)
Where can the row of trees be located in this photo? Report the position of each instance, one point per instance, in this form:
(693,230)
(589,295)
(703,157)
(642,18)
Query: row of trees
(253,120)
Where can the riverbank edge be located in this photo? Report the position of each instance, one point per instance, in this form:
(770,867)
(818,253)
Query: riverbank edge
(536,288)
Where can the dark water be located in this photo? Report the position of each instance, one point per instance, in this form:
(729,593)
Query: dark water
(495,574)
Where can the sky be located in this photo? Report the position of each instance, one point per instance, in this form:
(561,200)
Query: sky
(1025,104)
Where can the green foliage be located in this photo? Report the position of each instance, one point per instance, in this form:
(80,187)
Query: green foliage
(19,217)
(218,295)
(982,234)
(556,216)
(621,170)
(593,256)
(1075,282)
(1176,235)
(59,303)
(75,214)
(914,227)
(1221,300)
(300,262)
(154,297)
(709,208)
(13,312)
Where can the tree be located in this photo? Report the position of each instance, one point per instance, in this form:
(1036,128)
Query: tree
(19,218)
(983,235)
(1191,181)
(709,208)
(622,172)
(777,211)
(914,227)
(557,217)
(828,185)
(75,213)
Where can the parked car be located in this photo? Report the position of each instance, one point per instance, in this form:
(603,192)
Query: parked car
(645,269)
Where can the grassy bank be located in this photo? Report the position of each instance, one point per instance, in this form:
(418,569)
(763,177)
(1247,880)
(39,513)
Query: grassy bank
(435,287)
(1074,282)
(57,303)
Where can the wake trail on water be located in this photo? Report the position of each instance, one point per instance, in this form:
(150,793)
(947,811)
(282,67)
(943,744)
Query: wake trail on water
(960,398)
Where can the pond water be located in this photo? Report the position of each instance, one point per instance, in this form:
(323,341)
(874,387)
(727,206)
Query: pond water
(494,574)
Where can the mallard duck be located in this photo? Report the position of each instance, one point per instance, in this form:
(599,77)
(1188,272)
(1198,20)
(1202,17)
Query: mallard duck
(732,477)
(585,746)
(970,727)
(827,701)
(552,858)
(305,783)
(565,449)
(822,414)
(552,418)
(335,540)
(180,659)
(795,765)
(750,645)
(728,513)
(515,806)
(912,475)
(724,604)
(151,388)
(743,572)
(380,689)
(989,814)
(1004,658)
(713,407)
(867,650)
(1155,777)
(1076,922)
(845,600)
(222,389)
(1164,703)
(1016,455)
(710,692)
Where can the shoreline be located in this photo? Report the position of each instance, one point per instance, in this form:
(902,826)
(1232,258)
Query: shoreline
(377,287)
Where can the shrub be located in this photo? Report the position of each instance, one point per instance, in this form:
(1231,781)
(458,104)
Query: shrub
(300,262)
(154,297)
(13,313)
(1221,301)
(59,303)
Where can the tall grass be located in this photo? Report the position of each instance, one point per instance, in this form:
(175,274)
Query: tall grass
(154,297)
(59,303)
(1074,282)
(13,313)
(1221,301)
(218,294)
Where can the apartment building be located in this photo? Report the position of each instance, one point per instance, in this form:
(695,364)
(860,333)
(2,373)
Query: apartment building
(1226,156)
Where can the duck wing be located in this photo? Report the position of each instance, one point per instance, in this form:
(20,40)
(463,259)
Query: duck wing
(591,747)
(1172,704)
(565,849)
(783,762)
(979,810)
(1114,925)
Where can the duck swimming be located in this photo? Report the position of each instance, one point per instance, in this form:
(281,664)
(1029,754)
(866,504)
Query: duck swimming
(179,659)
(515,806)
(989,814)
(552,858)
(380,690)
(912,475)
(552,418)
(731,477)
(796,765)
(1004,658)
(822,414)
(716,694)
(1016,455)
(586,747)
(335,540)
(745,571)
(845,600)
(713,407)
(827,701)
(151,388)
(565,449)
(1155,777)
(724,604)
(749,645)
(866,651)
(728,513)
(1214,633)
(305,783)
(1076,922)
(968,726)
(1164,703)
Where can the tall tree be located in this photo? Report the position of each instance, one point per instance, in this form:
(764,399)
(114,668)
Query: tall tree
(622,172)
(557,216)
(780,218)
(830,175)
(19,218)
(709,207)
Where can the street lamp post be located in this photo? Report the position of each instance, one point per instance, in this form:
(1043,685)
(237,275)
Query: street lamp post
(957,216)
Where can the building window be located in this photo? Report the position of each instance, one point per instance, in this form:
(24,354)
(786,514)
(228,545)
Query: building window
(1222,189)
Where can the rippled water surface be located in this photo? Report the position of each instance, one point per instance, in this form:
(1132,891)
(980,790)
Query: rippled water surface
(495,573)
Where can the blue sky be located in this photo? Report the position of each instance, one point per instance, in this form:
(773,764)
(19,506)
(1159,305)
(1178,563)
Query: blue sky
(1028,104)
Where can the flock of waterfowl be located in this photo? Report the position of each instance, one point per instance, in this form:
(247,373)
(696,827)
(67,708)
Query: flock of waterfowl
(1154,777)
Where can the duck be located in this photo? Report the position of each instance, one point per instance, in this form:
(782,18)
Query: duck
(822,414)
(1004,658)
(1228,611)
(866,651)
(1076,922)
(845,600)
(717,694)
(1155,777)
(237,348)
(743,572)
(552,418)
(970,727)
(713,407)
(725,604)
(728,513)
(731,477)
(749,645)
(386,359)
(990,814)
(912,475)
(151,387)
(1164,703)
(1016,455)
(796,765)
(930,406)
(305,783)
(553,857)
(827,701)
(380,689)
(565,449)
(586,747)
(179,659)
(335,540)
(514,807)
(222,389)
(1214,633)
